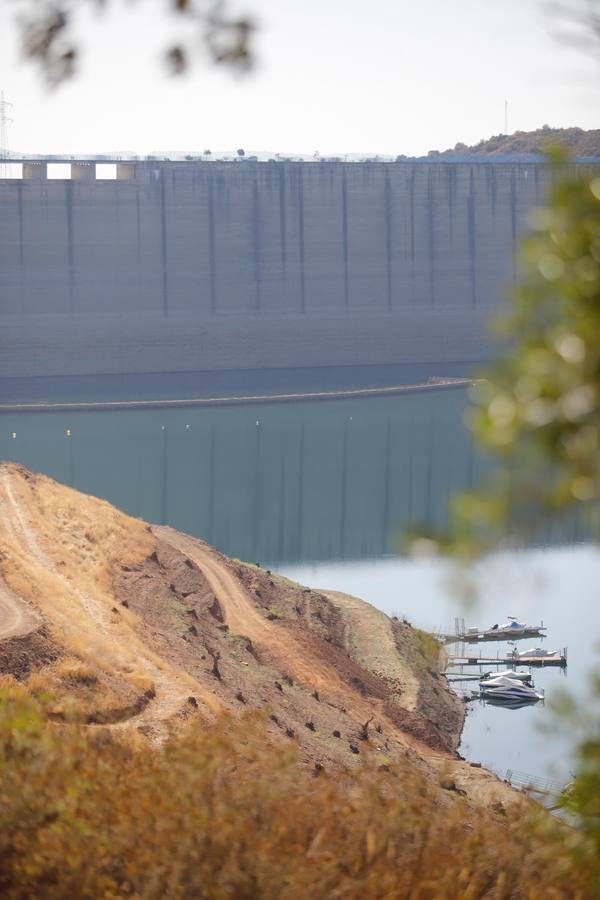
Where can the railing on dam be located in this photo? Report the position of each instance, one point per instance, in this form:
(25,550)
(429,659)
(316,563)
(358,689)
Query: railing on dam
(123,166)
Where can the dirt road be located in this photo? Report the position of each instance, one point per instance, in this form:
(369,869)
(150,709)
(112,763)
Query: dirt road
(16,618)
(242,617)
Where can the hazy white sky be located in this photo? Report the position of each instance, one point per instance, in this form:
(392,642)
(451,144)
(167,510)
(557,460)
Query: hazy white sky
(337,76)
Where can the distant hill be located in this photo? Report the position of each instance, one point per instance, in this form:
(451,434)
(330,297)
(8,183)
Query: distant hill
(576,140)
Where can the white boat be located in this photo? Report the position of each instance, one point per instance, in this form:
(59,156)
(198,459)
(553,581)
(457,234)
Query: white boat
(536,653)
(521,676)
(508,689)
(510,629)
(513,627)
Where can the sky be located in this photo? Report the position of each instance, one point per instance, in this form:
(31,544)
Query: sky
(333,76)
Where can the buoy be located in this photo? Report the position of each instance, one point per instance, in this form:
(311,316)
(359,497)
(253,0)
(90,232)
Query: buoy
(13,435)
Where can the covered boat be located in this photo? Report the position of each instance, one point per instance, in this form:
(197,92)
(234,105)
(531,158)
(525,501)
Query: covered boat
(516,675)
(508,689)
(513,627)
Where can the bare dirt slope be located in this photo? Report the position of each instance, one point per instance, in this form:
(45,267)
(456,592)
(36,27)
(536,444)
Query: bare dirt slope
(141,629)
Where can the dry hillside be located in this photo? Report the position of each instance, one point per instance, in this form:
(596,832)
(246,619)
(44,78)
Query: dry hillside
(141,629)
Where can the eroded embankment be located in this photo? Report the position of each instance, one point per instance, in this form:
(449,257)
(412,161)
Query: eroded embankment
(147,628)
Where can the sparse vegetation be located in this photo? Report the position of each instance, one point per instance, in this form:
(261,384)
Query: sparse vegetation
(220,813)
(576,141)
(428,647)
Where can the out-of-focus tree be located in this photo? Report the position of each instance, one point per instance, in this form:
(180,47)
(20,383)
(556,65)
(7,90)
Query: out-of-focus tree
(48,34)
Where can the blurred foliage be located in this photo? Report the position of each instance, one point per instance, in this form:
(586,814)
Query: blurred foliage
(49,37)
(537,415)
(221,813)
(581,799)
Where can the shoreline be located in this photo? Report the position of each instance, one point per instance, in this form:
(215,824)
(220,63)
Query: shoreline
(432,384)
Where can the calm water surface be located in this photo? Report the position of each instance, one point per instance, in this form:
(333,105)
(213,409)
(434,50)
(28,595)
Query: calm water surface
(322,492)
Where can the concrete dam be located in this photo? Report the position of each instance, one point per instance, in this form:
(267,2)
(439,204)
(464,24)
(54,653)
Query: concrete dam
(174,267)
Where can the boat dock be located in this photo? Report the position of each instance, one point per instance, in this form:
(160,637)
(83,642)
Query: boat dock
(474,635)
(512,659)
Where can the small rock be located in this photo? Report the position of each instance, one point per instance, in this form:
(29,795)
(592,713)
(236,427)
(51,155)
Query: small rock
(125,604)
(239,696)
(353,748)
(319,767)
(193,630)
(475,765)
(310,726)
(337,734)
(289,732)
(192,701)
(279,686)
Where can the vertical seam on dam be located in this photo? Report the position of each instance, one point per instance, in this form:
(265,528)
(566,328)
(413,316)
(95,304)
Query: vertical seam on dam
(70,255)
(163,245)
(212,275)
(345,237)
(430,238)
(256,242)
(387,200)
(21,245)
(301,239)
(471,235)
(411,191)
(282,228)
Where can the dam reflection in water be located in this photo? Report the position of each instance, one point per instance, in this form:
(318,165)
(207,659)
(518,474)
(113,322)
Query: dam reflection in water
(278,482)
(272,482)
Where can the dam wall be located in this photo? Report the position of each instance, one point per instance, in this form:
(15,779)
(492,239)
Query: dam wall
(200,266)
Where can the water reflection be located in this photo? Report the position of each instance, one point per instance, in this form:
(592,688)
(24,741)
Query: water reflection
(276,482)
(305,481)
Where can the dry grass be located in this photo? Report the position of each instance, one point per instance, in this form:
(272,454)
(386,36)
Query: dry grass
(221,814)
(63,548)
(75,671)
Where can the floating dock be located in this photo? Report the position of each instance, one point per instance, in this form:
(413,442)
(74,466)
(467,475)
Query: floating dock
(473,636)
(466,659)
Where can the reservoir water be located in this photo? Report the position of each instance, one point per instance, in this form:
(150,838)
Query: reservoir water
(322,492)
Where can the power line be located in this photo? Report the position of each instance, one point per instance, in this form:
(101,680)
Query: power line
(4,120)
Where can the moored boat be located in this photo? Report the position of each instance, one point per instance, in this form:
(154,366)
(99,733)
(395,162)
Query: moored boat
(508,630)
(502,688)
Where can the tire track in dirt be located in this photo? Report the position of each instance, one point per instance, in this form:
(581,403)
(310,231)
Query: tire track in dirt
(171,689)
(16,618)
(273,640)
